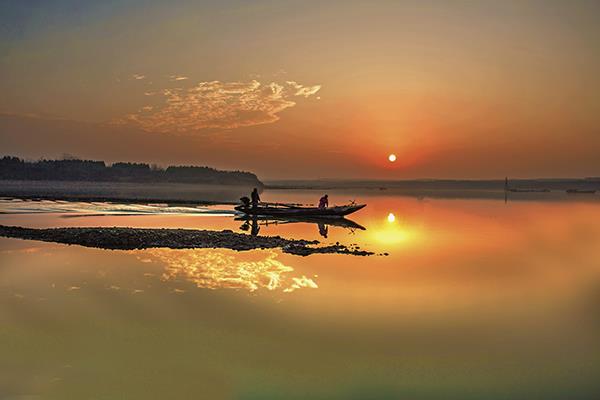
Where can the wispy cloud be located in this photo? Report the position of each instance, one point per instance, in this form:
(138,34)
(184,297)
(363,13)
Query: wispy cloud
(215,104)
(178,78)
(305,91)
(138,76)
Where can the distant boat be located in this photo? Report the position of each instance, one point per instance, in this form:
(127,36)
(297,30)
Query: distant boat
(528,190)
(507,188)
(284,210)
(581,191)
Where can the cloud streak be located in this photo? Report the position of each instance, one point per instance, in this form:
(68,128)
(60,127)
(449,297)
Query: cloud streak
(220,105)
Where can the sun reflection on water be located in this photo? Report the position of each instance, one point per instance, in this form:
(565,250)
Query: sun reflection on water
(218,269)
(391,218)
(392,231)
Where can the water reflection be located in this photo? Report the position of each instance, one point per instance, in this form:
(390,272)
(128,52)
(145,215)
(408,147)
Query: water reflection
(253,223)
(323,229)
(392,231)
(474,292)
(391,217)
(218,269)
(75,209)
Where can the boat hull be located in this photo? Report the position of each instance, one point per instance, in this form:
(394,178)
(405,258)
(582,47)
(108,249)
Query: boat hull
(310,212)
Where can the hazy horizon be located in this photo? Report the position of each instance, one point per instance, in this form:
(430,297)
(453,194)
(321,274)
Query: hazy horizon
(316,178)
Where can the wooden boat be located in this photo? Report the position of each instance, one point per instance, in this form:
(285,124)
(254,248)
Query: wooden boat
(580,191)
(284,210)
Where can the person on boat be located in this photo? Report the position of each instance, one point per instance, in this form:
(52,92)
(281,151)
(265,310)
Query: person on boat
(255,198)
(245,201)
(324,202)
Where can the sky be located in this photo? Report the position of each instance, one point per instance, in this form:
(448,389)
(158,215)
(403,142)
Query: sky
(307,89)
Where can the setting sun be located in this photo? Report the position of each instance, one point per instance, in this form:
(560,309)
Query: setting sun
(392,157)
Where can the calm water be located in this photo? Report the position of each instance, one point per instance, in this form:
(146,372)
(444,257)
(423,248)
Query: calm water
(477,299)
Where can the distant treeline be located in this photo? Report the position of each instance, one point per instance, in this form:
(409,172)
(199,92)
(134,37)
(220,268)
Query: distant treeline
(14,168)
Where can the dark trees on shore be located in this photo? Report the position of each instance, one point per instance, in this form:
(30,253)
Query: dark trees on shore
(14,168)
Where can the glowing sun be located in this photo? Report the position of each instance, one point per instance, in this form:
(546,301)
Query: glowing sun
(392,157)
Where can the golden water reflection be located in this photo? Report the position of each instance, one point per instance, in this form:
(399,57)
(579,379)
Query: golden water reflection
(220,269)
(391,217)
(494,300)
(392,231)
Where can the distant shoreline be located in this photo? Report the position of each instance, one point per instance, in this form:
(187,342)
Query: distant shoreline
(207,194)
(436,184)
(124,192)
(547,189)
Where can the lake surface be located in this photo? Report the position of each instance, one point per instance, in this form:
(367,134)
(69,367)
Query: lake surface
(477,298)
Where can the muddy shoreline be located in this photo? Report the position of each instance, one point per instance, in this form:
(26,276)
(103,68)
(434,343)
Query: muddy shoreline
(137,238)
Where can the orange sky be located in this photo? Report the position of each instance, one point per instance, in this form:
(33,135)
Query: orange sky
(292,89)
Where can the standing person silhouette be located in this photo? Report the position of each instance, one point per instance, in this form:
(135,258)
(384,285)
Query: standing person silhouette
(255,198)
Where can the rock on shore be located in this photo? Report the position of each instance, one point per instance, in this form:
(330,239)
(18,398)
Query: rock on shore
(135,238)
